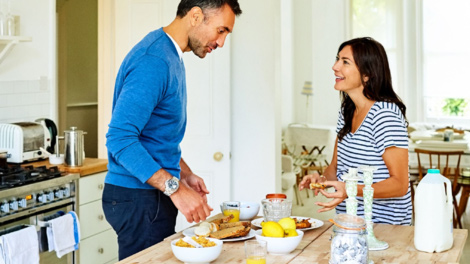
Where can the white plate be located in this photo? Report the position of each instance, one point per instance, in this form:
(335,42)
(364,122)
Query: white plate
(190,232)
(315,222)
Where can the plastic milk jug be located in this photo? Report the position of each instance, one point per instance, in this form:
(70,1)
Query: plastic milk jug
(433,213)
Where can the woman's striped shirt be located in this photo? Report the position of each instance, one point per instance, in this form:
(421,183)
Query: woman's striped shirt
(383,127)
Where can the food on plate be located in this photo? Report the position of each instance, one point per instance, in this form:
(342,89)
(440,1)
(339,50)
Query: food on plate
(317,185)
(228,225)
(224,219)
(231,232)
(204,242)
(302,223)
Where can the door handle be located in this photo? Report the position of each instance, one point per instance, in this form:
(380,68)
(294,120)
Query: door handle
(218,156)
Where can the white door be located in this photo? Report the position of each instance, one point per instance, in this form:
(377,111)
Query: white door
(208,85)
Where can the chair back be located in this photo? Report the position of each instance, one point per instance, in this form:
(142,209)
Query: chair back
(287,163)
(448,162)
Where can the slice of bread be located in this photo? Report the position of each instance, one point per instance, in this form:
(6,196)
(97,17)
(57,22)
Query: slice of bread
(222,220)
(235,231)
(241,223)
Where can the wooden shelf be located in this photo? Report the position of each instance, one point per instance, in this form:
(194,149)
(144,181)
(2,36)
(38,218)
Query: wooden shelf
(10,42)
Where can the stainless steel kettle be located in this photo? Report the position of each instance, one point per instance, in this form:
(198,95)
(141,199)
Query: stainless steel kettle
(74,146)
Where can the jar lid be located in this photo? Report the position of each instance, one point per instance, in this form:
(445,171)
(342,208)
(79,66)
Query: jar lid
(347,221)
(276,195)
(433,171)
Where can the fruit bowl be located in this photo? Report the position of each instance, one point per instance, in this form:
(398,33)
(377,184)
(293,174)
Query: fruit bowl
(197,255)
(280,245)
(248,210)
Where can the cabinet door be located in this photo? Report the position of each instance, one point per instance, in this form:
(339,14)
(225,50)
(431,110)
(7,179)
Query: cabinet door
(93,220)
(100,248)
(91,188)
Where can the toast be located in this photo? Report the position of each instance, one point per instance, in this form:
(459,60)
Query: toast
(231,232)
(228,225)
(222,220)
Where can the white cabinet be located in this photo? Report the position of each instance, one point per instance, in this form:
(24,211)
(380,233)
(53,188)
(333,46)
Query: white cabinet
(98,243)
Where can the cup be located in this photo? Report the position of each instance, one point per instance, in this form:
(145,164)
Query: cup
(231,208)
(448,135)
(255,252)
(275,209)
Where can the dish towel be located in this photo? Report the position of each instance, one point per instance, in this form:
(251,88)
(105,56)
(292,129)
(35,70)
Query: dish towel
(63,234)
(20,247)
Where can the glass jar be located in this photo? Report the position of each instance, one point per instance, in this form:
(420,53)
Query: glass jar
(275,209)
(349,241)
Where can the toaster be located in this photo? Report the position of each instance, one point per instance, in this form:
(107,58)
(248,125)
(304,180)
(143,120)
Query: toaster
(26,141)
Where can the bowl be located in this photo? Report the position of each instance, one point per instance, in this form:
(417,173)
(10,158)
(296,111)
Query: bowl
(280,245)
(197,255)
(248,210)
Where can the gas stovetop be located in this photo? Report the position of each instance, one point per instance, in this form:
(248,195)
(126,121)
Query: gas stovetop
(13,176)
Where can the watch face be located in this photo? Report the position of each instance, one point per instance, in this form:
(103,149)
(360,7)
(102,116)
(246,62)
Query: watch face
(172,184)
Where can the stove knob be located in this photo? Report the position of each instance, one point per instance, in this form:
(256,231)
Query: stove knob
(58,193)
(14,205)
(50,196)
(5,207)
(66,191)
(22,203)
(42,198)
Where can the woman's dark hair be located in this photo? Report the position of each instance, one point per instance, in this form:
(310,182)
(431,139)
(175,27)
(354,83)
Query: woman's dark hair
(371,60)
(186,5)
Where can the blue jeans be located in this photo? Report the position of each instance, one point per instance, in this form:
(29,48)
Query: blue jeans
(141,218)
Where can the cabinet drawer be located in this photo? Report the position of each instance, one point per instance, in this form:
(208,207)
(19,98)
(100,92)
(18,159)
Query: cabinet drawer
(91,188)
(92,219)
(99,249)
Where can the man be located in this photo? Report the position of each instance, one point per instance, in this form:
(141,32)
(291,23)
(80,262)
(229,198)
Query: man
(148,181)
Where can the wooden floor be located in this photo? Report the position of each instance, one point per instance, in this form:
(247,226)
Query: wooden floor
(309,209)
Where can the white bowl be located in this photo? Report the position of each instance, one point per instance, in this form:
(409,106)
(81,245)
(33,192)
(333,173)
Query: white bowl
(248,210)
(280,245)
(197,255)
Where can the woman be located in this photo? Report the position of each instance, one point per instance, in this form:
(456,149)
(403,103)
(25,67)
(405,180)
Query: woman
(371,130)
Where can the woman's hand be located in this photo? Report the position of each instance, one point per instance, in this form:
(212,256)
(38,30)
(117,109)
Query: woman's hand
(338,196)
(311,178)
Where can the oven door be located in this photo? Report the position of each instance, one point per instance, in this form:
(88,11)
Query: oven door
(46,257)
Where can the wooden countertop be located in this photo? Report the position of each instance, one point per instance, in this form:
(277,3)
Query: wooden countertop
(315,248)
(90,166)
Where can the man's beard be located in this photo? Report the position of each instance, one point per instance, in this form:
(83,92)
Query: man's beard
(196,46)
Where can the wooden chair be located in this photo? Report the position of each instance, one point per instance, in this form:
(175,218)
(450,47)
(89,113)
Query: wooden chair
(448,162)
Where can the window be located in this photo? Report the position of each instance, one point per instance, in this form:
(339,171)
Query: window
(438,43)
(445,58)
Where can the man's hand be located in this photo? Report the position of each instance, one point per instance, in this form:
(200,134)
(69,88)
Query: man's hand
(197,184)
(190,203)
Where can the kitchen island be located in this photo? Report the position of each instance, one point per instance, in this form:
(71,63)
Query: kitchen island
(315,248)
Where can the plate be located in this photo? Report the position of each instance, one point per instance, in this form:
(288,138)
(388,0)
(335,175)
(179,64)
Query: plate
(315,222)
(190,232)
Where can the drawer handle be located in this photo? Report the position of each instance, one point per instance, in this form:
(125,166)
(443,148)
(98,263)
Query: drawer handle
(101,250)
(101,217)
(101,186)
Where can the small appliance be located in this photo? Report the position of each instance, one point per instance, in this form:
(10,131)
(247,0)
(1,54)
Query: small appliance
(27,141)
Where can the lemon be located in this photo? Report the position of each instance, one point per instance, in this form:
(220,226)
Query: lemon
(272,229)
(291,232)
(287,223)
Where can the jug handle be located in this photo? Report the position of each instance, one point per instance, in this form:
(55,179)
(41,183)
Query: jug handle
(57,145)
(448,186)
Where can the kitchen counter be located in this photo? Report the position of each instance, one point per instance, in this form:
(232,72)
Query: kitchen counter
(90,166)
(315,248)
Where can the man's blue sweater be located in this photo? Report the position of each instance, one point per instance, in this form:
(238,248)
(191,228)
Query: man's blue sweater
(149,113)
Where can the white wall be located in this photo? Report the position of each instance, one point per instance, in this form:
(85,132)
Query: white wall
(255,100)
(28,72)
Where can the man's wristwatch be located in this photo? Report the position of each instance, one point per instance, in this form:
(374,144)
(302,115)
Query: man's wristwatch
(171,186)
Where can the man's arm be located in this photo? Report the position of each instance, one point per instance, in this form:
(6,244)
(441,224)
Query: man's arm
(194,181)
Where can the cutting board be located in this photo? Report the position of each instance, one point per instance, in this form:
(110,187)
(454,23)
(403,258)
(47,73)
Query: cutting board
(90,166)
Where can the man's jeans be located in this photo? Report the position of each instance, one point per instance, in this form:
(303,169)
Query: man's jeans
(140,217)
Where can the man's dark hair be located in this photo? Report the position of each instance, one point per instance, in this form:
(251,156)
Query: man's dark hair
(186,5)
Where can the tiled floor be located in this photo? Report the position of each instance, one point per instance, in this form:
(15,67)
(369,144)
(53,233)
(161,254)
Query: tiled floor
(309,209)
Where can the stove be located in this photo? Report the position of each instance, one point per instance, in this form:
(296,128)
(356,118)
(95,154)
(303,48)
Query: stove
(28,190)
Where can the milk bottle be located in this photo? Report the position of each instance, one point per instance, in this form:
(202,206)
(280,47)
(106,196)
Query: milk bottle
(433,213)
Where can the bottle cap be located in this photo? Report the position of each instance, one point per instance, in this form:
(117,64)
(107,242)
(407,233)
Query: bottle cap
(433,171)
(276,195)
